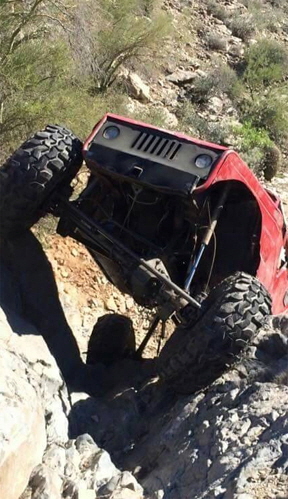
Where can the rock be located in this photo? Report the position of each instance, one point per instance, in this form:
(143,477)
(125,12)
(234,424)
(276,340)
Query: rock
(137,88)
(55,458)
(22,430)
(215,105)
(111,305)
(86,494)
(103,469)
(128,481)
(126,494)
(45,483)
(171,120)
(70,490)
(85,444)
(129,303)
(226,439)
(35,448)
(134,107)
(124,486)
(235,50)
(201,73)
(33,402)
(181,77)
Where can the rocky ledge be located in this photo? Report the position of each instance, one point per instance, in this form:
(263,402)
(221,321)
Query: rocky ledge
(228,441)
(38,460)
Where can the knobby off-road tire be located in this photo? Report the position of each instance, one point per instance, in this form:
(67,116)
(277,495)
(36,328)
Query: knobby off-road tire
(47,161)
(193,358)
(112,339)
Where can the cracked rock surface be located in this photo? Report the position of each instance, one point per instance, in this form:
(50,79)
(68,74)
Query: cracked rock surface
(38,460)
(141,439)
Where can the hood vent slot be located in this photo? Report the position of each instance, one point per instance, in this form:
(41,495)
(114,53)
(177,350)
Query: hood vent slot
(156,146)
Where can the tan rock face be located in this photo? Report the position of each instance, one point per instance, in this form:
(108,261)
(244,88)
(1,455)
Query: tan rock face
(37,458)
(137,88)
(22,427)
(30,402)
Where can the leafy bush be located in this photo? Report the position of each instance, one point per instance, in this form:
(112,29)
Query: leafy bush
(271,161)
(40,82)
(265,17)
(257,150)
(194,124)
(32,75)
(266,62)
(117,34)
(251,137)
(270,112)
(215,42)
(33,66)
(216,10)
(242,26)
(217,81)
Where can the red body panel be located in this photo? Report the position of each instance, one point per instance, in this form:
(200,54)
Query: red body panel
(273,231)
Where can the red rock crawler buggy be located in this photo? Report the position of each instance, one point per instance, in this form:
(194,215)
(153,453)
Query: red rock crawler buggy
(180,224)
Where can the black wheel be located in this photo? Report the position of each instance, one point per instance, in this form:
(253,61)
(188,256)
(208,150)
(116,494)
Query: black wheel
(112,339)
(49,159)
(194,357)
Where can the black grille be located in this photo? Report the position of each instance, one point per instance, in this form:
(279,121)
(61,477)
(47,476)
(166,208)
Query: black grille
(156,146)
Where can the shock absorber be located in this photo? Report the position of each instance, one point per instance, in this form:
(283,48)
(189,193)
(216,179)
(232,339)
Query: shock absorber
(207,236)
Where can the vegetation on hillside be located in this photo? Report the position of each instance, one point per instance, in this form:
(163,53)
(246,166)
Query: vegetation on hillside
(60,62)
(255,82)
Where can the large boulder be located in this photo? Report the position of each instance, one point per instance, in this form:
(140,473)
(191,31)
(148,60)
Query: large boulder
(32,398)
(182,77)
(37,457)
(137,88)
(228,441)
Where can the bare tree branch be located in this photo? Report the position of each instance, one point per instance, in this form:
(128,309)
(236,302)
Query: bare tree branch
(26,18)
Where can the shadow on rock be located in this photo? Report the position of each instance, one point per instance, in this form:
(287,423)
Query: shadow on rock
(125,414)
(29,294)
(224,438)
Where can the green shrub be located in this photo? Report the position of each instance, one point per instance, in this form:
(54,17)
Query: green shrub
(217,81)
(271,161)
(40,82)
(266,62)
(202,89)
(257,149)
(199,127)
(242,26)
(270,112)
(265,17)
(215,42)
(117,34)
(216,10)
(33,74)
(251,137)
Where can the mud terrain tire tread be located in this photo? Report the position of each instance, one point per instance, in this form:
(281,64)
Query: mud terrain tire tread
(50,158)
(193,358)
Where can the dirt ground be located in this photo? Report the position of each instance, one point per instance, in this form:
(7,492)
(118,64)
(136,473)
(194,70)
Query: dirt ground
(86,294)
